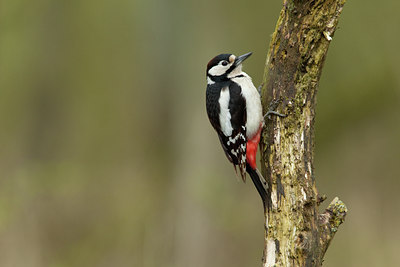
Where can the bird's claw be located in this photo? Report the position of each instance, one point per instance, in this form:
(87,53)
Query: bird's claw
(271,112)
(272,106)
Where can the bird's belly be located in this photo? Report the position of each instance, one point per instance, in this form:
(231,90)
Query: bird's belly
(254,118)
(253,106)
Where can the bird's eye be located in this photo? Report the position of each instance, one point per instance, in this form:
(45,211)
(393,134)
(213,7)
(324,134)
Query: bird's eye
(224,63)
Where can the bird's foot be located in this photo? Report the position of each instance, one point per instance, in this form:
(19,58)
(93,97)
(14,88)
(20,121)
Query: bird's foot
(271,112)
(272,106)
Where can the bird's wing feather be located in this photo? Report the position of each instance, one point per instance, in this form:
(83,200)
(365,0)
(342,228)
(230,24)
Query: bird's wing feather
(234,144)
(212,95)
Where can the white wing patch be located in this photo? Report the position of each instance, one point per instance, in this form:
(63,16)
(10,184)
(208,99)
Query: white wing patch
(234,152)
(233,140)
(224,114)
(236,145)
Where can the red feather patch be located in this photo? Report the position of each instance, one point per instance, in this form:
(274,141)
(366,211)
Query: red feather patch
(251,149)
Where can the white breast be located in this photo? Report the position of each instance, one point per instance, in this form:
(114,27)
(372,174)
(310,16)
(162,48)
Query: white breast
(253,104)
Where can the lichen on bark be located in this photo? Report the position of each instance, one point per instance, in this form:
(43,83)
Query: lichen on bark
(295,233)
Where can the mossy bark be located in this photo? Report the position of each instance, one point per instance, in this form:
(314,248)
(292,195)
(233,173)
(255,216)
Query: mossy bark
(296,234)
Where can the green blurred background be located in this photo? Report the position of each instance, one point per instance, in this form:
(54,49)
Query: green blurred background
(107,157)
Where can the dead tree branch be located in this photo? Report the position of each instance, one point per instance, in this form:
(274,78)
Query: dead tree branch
(296,234)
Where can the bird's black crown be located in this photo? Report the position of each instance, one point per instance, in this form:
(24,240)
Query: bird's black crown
(213,62)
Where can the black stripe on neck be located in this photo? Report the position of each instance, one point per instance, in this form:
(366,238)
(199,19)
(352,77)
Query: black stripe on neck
(223,78)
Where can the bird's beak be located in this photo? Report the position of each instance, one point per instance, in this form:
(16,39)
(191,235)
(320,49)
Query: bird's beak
(242,58)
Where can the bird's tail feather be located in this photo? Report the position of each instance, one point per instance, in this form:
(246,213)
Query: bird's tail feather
(260,183)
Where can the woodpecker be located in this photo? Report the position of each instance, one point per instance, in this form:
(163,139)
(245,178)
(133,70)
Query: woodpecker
(235,112)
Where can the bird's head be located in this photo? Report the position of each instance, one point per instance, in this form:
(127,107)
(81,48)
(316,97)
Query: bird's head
(225,66)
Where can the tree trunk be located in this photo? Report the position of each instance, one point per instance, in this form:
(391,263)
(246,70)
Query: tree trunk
(296,234)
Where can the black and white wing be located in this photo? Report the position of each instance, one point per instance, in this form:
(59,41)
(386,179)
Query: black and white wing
(226,109)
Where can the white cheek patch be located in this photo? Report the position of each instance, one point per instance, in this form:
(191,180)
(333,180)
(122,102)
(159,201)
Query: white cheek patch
(218,70)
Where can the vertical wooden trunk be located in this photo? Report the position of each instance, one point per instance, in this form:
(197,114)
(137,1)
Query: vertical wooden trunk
(295,233)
